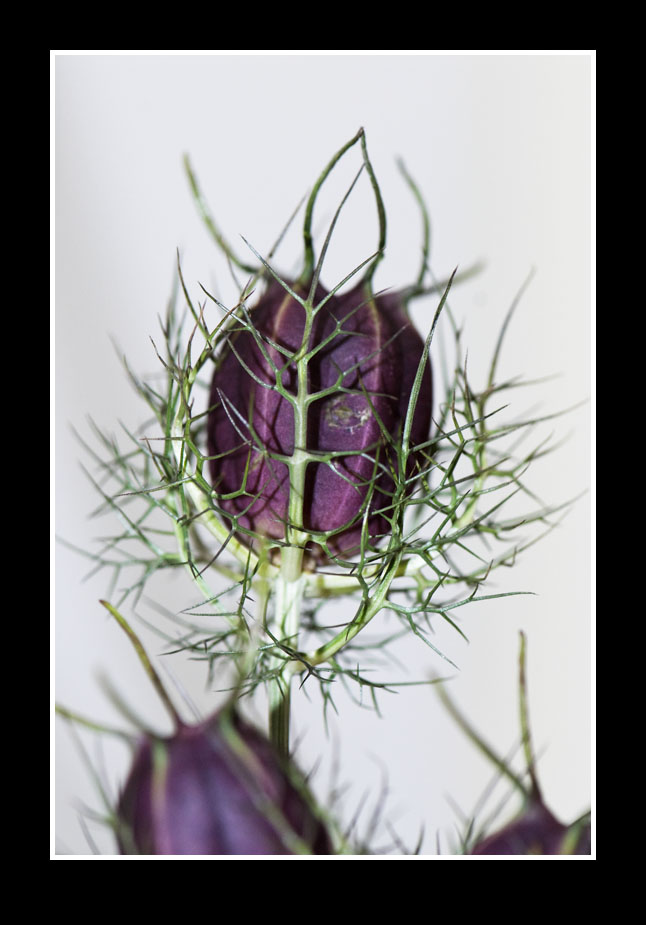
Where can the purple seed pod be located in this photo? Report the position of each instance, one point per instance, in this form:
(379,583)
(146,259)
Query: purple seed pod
(218,788)
(536,831)
(364,353)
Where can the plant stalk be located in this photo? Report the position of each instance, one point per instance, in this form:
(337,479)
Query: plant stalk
(289,586)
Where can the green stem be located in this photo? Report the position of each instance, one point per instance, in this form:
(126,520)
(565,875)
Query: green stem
(381,213)
(426,230)
(147,664)
(209,221)
(91,724)
(289,586)
(307,225)
(364,616)
(477,740)
(524,717)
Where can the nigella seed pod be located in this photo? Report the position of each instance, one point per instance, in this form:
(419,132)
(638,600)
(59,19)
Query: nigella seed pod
(378,351)
(218,788)
(249,420)
(536,831)
(363,355)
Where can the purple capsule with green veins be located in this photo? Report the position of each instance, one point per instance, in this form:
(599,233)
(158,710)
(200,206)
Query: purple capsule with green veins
(217,788)
(536,831)
(363,356)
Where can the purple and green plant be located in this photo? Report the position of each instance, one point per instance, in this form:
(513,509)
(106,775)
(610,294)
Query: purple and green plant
(305,450)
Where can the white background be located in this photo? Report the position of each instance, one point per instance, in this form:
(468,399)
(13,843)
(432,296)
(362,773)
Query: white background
(500,146)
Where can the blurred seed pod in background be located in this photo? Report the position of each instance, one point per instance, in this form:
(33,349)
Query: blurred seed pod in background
(217,788)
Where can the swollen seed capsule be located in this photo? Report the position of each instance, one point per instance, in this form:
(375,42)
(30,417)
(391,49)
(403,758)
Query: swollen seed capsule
(536,831)
(218,788)
(362,355)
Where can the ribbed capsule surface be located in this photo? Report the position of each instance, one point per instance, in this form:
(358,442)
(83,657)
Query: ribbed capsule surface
(218,788)
(364,358)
